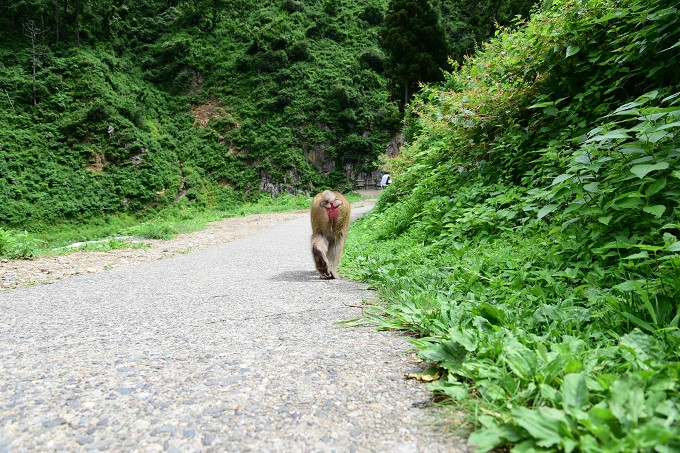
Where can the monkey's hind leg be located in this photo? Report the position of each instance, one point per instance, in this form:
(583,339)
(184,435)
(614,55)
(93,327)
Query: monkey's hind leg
(319,250)
(334,254)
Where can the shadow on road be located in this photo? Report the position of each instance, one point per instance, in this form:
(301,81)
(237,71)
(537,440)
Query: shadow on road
(296,276)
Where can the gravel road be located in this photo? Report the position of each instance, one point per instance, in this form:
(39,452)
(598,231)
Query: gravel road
(234,347)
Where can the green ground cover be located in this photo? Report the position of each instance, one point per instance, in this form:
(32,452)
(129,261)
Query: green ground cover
(531,237)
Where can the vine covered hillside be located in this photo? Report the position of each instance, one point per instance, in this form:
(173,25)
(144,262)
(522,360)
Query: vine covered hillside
(531,237)
(111,107)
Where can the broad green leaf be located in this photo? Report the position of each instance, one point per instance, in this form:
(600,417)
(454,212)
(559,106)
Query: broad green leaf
(630,201)
(562,192)
(629,285)
(547,392)
(626,401)
(573,207)
(447,353)
(598,422)
(633,148)
(606,17)
(463,337)
(488,438)
(656,210)
(669,125)
(553,368)
(616,245)
(506,214)
(583,158)
(674,95)
(545,424)
(650,435)
(541,105)
(653,114)
(644,169)
(572,50)
(574,392)
(640,345)
(454,390)
(618,133)
(605,220)
(649,95)
(492,392)
(625,108)
(655,187)
(638,256)
(592,187)
(547,209)
(675,247)
(521,361)
(666,383)
(654,137)
(653,248)
(642,160)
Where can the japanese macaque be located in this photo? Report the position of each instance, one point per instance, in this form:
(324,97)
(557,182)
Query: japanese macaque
(330,222)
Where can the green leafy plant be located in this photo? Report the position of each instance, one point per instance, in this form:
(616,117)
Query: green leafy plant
(530,237)
(19,245)
(154,229)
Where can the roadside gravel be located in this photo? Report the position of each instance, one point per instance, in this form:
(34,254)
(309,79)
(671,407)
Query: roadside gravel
(233,347)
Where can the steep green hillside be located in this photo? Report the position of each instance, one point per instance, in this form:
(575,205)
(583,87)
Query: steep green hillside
(532,234)
(108,107)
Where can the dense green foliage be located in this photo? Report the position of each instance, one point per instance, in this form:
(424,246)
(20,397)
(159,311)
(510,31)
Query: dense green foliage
(414,43)
(110,107)
(469,23)
(123,107)
(531,236)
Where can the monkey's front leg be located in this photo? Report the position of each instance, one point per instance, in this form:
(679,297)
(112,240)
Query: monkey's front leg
(319,252)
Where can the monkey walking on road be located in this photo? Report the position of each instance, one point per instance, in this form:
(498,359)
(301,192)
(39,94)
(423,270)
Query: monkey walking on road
(330,222)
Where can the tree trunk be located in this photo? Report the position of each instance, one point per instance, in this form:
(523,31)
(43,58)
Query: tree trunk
(77,28)
(56,20)
(65,16)
(31,32)
(9,98)
(35,62)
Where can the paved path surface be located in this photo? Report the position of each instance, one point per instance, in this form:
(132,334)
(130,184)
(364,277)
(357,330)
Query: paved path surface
(231,348)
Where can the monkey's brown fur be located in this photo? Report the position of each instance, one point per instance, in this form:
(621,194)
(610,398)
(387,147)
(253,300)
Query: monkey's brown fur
(330,222)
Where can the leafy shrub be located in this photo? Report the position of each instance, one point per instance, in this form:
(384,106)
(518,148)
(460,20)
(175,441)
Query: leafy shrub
(154,229)
(299,52)
(373,15)
(14,245)
(269,61)
(292,6)
(372,59)
(530,236)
